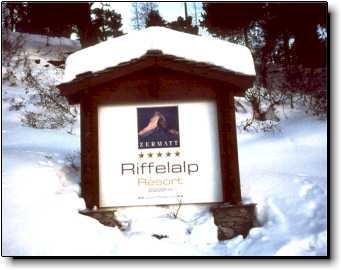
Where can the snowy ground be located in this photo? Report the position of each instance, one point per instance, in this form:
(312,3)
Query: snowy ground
(285,173)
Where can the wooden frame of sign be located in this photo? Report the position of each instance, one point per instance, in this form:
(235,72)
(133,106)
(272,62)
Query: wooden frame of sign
(157,77)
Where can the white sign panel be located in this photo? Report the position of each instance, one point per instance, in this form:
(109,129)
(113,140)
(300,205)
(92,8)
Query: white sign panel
(160,153)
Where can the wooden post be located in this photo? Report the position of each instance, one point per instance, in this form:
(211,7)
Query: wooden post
(89,152)
(228,147)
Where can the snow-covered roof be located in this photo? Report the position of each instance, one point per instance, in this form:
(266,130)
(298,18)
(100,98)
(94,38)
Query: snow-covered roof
(134,45)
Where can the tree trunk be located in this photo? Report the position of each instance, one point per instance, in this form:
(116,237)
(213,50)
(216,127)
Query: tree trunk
(12,19)
(263,72)
(246,38)
(87,33)
(186,14)
(291,101)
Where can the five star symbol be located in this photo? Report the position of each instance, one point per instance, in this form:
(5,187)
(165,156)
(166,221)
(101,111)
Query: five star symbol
(159,154)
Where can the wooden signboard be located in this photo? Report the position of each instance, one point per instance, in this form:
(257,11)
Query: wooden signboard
(158,130)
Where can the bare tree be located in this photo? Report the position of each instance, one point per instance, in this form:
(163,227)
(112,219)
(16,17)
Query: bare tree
(195,9)
(141,11)
(136,18)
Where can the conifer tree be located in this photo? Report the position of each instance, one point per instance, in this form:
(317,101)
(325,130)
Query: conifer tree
(107,22)
(154,19)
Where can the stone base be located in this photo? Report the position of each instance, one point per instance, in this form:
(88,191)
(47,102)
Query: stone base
(104,216)
(233,220)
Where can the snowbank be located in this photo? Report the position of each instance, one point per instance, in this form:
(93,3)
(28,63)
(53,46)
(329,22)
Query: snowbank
(39,41)
(110,53)
(287,181)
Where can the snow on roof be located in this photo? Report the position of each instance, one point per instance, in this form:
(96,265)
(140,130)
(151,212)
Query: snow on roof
(112,52)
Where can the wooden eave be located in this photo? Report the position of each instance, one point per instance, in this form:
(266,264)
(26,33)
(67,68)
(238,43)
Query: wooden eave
(155,58)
